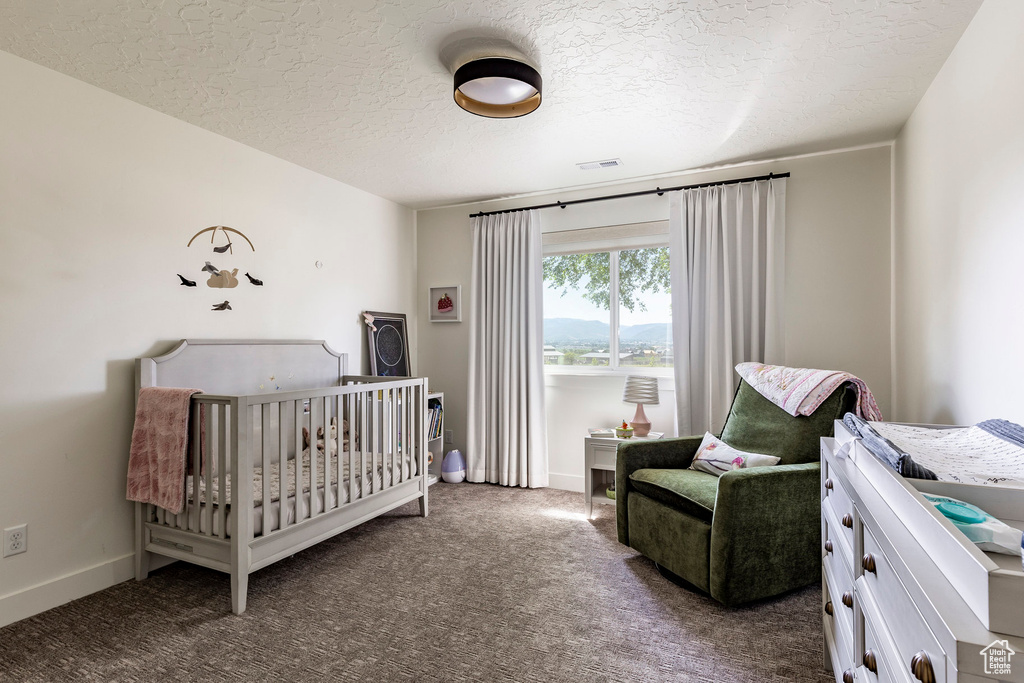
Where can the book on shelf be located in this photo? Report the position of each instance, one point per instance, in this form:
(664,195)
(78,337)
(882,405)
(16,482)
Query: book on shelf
(435,421)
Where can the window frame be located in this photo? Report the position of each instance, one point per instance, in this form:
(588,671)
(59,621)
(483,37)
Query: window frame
(612,247)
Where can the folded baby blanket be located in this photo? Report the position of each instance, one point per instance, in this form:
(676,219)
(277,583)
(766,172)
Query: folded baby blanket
(799,391)
(157,462)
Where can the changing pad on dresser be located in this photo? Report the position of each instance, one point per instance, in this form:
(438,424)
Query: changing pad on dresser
(990,453)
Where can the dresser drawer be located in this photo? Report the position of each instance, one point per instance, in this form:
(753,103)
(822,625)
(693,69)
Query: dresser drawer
(840,661)
(842,597)
(832,486)
(844,649)
(916,647)
(878,661)
(605,454)
(839,502)
(837,542)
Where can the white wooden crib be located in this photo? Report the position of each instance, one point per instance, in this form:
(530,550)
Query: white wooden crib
(249,420)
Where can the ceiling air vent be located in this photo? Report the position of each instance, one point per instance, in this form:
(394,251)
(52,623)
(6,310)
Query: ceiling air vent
(607,163)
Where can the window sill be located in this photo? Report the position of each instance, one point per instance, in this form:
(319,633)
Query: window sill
(562,376)
(583,370)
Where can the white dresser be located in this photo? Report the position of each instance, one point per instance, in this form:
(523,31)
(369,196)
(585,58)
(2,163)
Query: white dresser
(904,598)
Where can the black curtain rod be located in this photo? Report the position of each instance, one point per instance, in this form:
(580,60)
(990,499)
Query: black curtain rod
(658,191)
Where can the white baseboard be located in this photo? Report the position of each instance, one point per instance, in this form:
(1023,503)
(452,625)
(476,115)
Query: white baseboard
(31,601)
(566,482)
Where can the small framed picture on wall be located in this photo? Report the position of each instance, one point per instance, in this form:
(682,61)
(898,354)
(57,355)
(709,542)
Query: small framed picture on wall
(446,304)
(389,344)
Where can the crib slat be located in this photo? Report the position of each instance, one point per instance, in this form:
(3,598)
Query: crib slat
(313,507)
(420,413)
(378,428)
(336,414)
(222,469)
(282,467)
(403,431)
(363,438)
(265,451)
(410,433)
(207,462)
(411,451)
(396,452)
(340,413)
(327,455)
(339,465)
(393,415)
(364,418)
(197,435)
(385,438)
(375,410)
(351,450)
(300,417)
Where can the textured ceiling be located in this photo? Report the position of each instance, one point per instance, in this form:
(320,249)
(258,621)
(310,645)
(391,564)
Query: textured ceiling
(356,90)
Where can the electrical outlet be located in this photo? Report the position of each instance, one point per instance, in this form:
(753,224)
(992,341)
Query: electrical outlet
(15,540)
(449,436)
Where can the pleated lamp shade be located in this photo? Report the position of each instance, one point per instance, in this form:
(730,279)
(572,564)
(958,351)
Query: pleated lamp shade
(640,390)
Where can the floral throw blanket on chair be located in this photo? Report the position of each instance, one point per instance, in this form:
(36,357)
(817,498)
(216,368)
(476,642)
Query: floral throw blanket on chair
(799,391)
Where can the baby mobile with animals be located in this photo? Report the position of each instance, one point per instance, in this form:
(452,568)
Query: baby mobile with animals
(222,248)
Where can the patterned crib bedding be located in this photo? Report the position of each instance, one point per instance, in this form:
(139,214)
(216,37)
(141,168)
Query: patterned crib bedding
(990,453)
(406,468)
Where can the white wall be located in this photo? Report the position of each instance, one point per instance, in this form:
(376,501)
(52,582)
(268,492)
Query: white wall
(959,228)
(837,289)
(98,197)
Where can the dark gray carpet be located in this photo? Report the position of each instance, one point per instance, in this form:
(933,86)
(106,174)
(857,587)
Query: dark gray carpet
(495,585)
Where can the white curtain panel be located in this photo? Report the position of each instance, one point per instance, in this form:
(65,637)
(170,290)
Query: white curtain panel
(727,252)
(507,432)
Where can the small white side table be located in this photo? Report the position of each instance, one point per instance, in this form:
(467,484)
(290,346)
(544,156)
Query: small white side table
(599,468)
(600,458)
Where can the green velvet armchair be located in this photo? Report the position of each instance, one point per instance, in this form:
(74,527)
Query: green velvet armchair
(749,534)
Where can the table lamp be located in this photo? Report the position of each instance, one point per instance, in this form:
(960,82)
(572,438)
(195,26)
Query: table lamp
(640,390)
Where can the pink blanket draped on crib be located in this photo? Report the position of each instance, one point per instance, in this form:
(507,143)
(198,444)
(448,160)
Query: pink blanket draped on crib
(799,391)
(157,462)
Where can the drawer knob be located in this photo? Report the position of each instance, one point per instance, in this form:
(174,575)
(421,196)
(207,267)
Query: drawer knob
(828,484)
(848,599)
(848,676)
(828,608)
(848,520)
(828,546)
(871,662)
(921,667)
(868,562)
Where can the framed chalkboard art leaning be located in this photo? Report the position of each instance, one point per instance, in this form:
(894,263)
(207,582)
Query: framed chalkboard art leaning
(389,344)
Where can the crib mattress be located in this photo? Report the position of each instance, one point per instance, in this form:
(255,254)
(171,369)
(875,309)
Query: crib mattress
(385,474)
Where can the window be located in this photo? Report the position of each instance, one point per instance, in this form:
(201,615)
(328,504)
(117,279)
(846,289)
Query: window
(608,309)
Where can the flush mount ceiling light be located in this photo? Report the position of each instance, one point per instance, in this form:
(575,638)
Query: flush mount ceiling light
(497,87)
